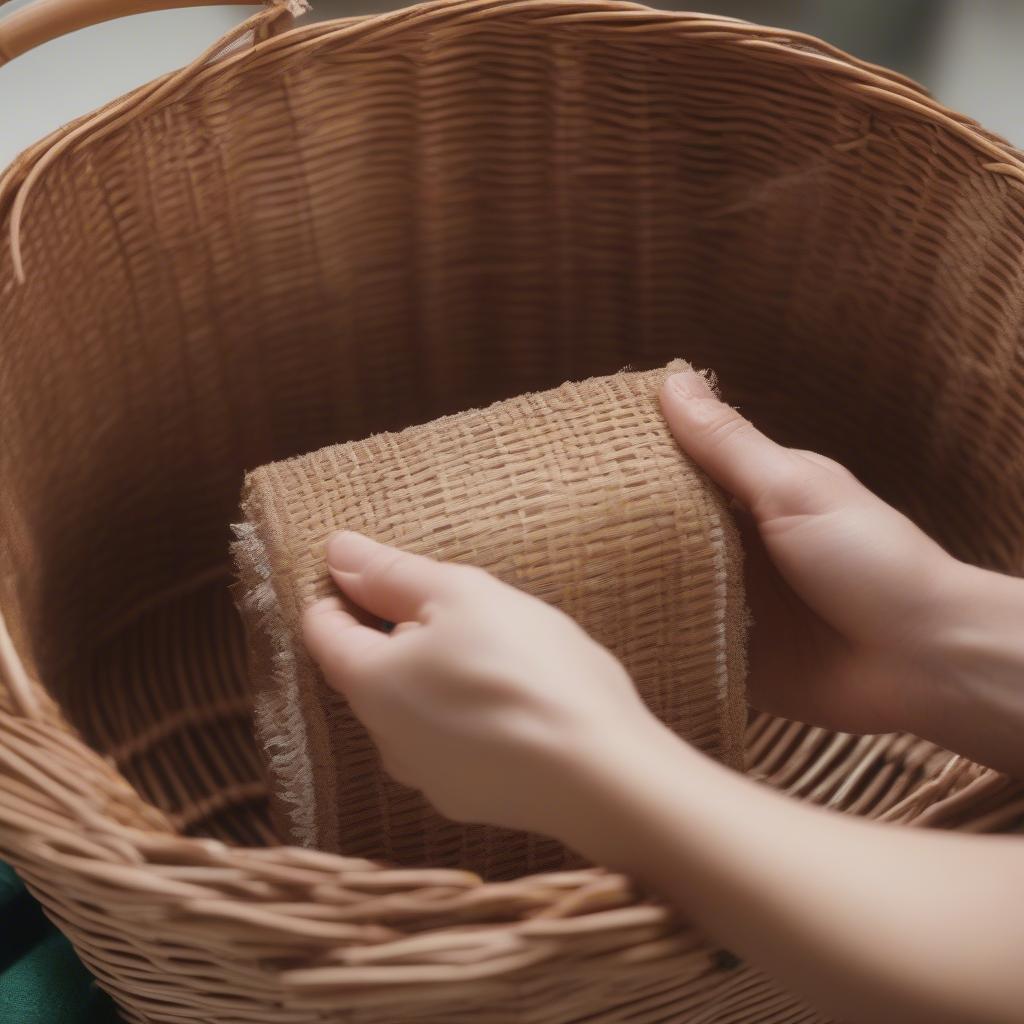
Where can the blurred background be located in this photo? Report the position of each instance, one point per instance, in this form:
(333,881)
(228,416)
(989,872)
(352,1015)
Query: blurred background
(969,53)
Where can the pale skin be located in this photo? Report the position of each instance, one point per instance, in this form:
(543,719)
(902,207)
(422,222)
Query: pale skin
(502,710)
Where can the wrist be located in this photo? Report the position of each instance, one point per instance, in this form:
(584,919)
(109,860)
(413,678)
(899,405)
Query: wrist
(976,625)
(617,781)
(970,697)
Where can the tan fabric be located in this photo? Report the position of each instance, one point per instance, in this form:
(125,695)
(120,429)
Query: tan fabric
(577,495)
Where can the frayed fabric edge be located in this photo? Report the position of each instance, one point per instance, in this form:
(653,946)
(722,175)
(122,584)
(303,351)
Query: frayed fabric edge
(279,722)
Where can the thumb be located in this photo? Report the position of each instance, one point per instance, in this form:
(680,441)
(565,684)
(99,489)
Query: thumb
(766,477)
(338,642)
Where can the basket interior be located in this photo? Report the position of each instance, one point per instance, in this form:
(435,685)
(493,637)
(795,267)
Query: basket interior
(382,230)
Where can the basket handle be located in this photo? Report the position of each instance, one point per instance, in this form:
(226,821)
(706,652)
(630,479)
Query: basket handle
(43,20)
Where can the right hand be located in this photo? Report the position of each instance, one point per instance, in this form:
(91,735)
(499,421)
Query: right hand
(846,593)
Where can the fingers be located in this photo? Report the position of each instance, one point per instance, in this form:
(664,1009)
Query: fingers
(766,477)
(392,584)
(338,642)
(823,460)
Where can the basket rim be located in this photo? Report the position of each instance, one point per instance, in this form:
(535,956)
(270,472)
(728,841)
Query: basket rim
(225,60)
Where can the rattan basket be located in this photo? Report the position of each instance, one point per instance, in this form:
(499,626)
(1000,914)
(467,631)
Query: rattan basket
(361,224)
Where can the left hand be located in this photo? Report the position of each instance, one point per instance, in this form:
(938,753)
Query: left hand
(493,703)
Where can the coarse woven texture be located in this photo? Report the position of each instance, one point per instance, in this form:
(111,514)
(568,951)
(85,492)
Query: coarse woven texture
(368,223)
(579,496)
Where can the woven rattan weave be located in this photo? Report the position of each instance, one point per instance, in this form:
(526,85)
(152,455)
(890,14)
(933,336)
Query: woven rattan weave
(366,223)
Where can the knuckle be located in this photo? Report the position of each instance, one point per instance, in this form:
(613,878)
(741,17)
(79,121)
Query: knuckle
(795,490)
(824,462)
(386,564)
(727,427)
(777,493)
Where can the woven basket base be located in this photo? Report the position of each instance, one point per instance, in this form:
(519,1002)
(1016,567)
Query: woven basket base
(168,703)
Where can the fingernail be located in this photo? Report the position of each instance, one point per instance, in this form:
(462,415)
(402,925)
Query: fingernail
(690,384)
(350,552)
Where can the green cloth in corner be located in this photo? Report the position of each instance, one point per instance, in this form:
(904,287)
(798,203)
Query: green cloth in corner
(42,981)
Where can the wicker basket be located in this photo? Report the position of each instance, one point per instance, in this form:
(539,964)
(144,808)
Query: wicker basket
(356,225)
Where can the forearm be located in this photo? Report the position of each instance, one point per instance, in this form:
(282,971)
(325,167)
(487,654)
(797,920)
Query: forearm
(970,696)
(870,923)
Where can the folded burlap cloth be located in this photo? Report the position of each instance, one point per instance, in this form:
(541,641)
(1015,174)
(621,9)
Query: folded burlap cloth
(579,496)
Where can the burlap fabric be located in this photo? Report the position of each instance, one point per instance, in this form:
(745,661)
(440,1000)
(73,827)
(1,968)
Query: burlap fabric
(579,496)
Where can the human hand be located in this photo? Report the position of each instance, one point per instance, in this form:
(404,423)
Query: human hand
(489,701)
(848,596)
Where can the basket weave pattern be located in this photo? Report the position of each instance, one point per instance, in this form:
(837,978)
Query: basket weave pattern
(367,223)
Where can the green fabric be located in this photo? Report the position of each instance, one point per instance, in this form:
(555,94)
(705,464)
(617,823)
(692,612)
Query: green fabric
(41,979)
